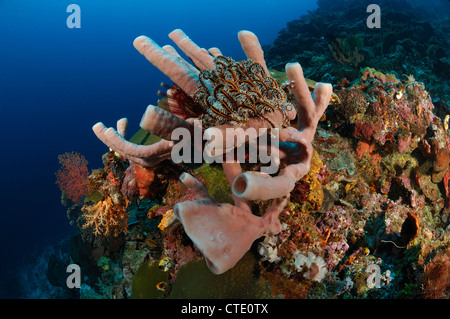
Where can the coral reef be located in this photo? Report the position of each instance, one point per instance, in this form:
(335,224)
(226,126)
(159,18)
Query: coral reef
(358,209)
(333,43)
(229,93)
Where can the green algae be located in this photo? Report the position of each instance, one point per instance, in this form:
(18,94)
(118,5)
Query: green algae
(145,281)
(215,182)
(94,196)
(143,137)
(195,280)
(345,160)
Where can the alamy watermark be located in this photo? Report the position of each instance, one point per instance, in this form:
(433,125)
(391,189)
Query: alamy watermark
(74,19)
(74,279)
(374,272)
(227,145)
(374,19)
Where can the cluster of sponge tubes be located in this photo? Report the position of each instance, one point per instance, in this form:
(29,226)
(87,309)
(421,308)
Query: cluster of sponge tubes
(224,232)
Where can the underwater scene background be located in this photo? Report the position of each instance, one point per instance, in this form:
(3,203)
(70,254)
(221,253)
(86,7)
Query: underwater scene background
(369,219)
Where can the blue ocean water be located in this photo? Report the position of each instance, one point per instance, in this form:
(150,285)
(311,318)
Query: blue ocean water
(56,82)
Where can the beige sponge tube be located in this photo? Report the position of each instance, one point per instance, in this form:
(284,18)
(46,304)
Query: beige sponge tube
(251,186)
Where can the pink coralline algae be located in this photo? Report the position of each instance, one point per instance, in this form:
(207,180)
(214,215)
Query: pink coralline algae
(368,73)
(335,224)
(367,130)
(395,115)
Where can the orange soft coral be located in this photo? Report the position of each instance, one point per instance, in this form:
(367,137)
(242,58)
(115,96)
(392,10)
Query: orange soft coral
(106,217)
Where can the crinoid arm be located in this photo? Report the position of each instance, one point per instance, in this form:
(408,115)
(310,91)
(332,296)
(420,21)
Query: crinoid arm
(251,186)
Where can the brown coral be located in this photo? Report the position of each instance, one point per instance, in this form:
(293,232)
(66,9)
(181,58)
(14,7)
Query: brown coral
(345,55)
(441,162)
(436,276)
(353,104)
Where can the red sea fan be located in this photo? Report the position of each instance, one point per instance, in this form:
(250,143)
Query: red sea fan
(72,177)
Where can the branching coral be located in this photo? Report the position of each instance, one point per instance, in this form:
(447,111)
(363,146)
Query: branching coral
(373,189)
(106,217)
(346,51)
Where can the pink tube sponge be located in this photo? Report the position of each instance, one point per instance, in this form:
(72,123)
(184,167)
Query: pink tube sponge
(223,232)
(309,109)
(232,94)
(170,65)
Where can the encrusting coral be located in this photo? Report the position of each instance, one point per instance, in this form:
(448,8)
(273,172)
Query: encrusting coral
(229,93)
